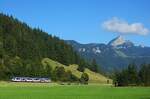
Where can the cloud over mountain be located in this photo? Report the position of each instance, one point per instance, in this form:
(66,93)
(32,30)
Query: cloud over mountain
(120,26)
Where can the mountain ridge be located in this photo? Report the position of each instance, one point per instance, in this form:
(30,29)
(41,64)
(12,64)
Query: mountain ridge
(113,56)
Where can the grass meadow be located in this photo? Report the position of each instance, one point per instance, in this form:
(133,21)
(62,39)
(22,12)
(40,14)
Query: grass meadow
(54,91)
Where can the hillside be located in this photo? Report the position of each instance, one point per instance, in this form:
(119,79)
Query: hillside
(22,48)
(93,77)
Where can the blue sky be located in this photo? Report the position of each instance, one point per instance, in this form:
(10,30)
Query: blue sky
(81,20)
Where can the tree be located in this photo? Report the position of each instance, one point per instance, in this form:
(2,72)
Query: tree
(4,73)
(144,75)
(132,74)
(81,66)
(1,53)
(60,73)
(84,78)
(94,66)
(127,76)
(48,71)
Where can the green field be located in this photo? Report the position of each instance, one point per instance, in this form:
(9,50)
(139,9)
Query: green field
(53,91)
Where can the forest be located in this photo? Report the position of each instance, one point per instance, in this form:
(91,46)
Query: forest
(22,48)
(132,76)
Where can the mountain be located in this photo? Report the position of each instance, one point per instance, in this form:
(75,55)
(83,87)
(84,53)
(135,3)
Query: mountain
(117,54)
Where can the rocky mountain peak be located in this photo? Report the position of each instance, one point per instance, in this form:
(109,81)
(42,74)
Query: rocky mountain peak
(120,42)
(117,41)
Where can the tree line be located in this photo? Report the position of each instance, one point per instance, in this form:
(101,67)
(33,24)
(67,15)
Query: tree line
(133,76)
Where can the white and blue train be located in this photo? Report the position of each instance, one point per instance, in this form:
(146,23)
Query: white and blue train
(31,79)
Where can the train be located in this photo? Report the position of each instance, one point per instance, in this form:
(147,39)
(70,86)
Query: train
(31,79)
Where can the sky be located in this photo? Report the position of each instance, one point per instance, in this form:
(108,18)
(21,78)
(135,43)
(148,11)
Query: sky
(86,21)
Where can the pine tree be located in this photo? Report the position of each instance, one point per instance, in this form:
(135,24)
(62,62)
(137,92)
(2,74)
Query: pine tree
(94,65)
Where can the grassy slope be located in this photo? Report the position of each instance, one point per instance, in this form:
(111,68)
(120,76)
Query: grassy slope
(94,77)
(48,91)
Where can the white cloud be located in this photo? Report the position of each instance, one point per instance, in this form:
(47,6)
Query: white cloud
(123,27)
